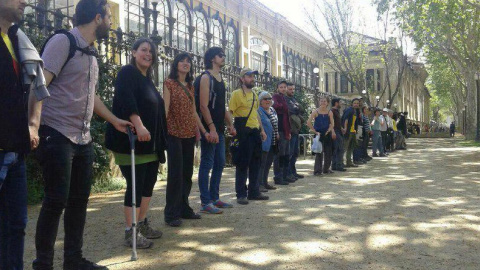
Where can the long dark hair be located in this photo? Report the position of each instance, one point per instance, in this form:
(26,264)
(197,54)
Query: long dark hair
(210,55)
(174,69)
(153,48)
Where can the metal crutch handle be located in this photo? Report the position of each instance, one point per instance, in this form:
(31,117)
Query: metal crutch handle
(132,138)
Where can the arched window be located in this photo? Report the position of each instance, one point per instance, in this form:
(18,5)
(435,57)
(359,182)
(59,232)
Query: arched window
(230,49)
(298,70)
(304,73)
(162,24)
(200,35)
(217,33)
(291,66)
(134,21)
(180,31)
(257,58)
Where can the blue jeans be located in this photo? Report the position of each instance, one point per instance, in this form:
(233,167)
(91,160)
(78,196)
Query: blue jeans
(13,210)
(338,150)
(294,148)
(377,142)
(212,159)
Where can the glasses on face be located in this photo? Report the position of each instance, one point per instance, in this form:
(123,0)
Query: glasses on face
(267,99)
(221,55)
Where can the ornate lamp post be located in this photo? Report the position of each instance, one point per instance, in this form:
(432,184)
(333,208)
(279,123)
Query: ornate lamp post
(265,49)
(316,70)
(146,14)
(388,103)
(378,100)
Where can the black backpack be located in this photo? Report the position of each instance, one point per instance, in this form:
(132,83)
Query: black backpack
(212,93)
(73,46)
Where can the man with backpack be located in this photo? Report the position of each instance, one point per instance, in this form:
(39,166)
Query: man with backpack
(21,83)
(66,150)
(210,101)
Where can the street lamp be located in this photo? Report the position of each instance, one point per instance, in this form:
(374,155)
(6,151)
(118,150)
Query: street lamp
(378,99)
(395,106)
(155,17)
(265,49)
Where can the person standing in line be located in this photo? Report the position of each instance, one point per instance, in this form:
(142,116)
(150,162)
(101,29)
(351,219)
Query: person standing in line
(65,135)
(136,99)
(367,130)
(323,127)
(338,144)
(384,130)
(350,124)
(452,129)
(377,122)
(282,158)
(296,111)
(20,109)
(182,124)
(402,132)
(210,100)
(244,107)
(357,152)
(269,146)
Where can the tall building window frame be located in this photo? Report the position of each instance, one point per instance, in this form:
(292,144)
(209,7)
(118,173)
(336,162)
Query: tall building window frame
(181,35)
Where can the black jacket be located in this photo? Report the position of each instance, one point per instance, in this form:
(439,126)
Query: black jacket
(14,134)
(136,94)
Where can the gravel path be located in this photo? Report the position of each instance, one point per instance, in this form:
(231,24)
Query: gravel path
(418,209)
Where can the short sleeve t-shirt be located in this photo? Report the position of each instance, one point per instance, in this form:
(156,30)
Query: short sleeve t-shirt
(241,103)
(9,44)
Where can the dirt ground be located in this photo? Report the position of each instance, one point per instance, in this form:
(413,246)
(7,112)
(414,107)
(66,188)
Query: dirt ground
(417,209)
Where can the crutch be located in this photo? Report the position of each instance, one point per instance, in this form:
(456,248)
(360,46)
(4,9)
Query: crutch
(132,138)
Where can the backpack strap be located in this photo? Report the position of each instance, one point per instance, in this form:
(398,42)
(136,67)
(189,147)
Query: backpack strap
(212,93)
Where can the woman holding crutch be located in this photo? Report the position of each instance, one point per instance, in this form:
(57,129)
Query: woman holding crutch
(137,99)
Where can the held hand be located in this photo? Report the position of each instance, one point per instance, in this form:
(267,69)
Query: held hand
(232,131)
(288,136)
(334,135)
(278,137)
(34,139)
(214,136)
(344,131)
(208,137)
(264,135)
(143,134)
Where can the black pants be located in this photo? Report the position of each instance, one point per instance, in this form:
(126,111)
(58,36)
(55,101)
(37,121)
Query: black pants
(249,163)
(145,179)
(324,159)
(366,140)
(67,171)
(384,140)
(179,180)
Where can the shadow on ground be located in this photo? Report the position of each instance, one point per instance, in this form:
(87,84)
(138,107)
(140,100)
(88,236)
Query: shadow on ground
(417,209)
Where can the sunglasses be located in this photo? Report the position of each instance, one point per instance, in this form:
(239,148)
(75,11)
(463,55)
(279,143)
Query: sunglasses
(267,98)
(221,55)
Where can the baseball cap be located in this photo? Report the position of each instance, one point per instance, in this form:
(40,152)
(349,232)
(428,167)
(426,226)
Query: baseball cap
(248,71)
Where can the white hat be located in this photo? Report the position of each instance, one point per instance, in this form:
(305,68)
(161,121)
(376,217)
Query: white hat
(385,109)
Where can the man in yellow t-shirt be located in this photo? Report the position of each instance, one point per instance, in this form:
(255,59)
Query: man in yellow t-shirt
(250,134)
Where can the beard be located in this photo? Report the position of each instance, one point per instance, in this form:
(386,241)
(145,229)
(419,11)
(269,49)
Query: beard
(249,85)
(102,31)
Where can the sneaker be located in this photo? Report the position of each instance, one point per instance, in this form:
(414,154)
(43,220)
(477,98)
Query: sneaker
(243,201)
(270,187)
(290,179)
(147,231)
(221,204)
(142,242)
(260,197)
(262,189)
(374,155)
(82,264)
(210,209)
(192,216)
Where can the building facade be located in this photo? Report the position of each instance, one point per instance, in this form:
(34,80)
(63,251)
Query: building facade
(251,34)
(412,97)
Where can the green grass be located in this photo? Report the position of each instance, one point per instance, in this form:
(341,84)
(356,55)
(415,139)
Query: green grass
(112,184)
(470,143)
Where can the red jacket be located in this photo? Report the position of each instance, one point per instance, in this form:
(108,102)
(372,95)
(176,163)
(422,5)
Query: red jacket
(280,105)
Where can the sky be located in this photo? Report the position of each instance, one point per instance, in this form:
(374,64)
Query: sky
(294,11)
(365,15)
